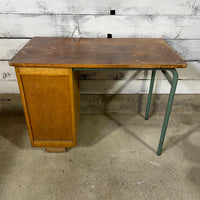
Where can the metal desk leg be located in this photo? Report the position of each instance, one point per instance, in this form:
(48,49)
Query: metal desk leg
(173,83)
(150,94)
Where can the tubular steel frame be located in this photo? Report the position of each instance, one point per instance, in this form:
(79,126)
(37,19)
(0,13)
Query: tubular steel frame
(173,82)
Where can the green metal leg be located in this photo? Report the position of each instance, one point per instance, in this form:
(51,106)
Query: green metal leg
(173,83)
(150,94)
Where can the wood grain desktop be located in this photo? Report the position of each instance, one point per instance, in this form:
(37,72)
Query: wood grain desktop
(97,53)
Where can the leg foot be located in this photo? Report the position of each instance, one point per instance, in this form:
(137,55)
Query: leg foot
(158,153)
(55,149)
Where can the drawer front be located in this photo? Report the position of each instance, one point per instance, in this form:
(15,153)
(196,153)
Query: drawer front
(44,71)
(47,97)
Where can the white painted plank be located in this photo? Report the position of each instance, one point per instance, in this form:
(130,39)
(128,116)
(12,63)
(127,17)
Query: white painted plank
(187,49)
(9,87)
(22,25)
(7,72)
(9,47)
(142,26)
(192,72)
(148,26)
(166,7)
(175,7)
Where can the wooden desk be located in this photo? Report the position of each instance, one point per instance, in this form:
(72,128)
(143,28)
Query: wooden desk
(47,74)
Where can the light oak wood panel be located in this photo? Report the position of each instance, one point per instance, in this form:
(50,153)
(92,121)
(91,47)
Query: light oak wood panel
(24,105)
(53,143)
(44,71)
(48,106)
(76,99)
(48,103)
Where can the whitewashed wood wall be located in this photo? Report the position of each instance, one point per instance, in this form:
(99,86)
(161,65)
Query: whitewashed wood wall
(177,21)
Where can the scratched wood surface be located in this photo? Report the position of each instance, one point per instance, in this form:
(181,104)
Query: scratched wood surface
(188,49)
(97,53)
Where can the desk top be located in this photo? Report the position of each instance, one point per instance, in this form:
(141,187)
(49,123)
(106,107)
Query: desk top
(97,53)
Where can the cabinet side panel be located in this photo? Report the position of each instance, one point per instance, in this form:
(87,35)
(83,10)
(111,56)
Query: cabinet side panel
(76,96)
(48,105)
(75,101)
(24,104)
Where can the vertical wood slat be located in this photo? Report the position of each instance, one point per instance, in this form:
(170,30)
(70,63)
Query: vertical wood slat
(24,105)
(75,102)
